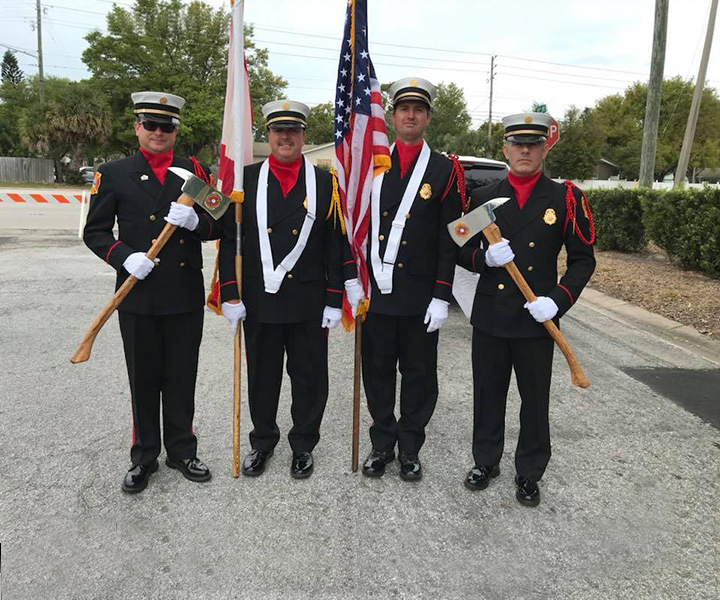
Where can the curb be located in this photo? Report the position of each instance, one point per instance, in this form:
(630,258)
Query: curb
(677,334)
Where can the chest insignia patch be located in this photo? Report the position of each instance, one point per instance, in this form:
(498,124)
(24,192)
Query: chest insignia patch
(425,191)
(550,217)
(96,183)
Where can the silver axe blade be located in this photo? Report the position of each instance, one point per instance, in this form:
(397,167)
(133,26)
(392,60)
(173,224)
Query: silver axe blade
(469,225)
(213,202)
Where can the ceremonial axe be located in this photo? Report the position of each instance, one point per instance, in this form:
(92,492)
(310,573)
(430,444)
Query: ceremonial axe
(483,219)
(195,191)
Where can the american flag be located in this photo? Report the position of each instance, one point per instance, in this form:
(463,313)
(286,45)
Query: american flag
(361,142)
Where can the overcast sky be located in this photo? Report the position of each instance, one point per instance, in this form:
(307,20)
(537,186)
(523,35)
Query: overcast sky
(560,52)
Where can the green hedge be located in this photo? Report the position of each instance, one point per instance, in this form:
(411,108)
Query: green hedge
(686,224)
(618,219)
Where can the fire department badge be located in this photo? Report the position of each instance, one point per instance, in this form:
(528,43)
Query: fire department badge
(425,191)
(550,217)
(213,200)
(96,183)
(462,230)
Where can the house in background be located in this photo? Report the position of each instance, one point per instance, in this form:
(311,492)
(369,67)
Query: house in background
(607,170)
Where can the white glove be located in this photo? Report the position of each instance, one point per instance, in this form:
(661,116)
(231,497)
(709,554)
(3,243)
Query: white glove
(234,313)
(436,314)
(138,265)
(355,294)
(331,317)
(499,254)
(182,216)
(543,309)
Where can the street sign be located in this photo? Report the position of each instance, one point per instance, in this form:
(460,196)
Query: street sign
(553,134)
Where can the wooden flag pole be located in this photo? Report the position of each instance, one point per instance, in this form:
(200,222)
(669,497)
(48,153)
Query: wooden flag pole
(356,393)
(238,344)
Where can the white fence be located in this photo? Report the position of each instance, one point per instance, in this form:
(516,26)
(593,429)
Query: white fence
(622,183)
(34,170)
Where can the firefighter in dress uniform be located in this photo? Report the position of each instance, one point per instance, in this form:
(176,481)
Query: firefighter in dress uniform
(411,260)
(161,319)
(539,219)
(296,265)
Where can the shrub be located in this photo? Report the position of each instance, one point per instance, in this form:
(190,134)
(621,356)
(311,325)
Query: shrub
(686,224)
(618,219)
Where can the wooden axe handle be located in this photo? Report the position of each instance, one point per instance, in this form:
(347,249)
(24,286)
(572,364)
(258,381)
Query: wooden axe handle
(493,236)
(85,348)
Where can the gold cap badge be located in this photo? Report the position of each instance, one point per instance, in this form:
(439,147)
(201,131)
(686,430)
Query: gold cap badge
(550,217)
(286,106)
(413,83)
(528,119)
(163,100)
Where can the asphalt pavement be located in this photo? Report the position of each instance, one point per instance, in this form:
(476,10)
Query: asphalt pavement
(629,500)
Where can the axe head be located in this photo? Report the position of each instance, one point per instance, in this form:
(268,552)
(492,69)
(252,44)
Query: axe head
(469,225)
(212,201)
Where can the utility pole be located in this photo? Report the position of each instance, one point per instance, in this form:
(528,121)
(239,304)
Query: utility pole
(652,108)
(41,80)
(697,98)
(492,77)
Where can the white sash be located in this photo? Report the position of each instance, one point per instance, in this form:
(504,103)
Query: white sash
(383,269)
(273,277)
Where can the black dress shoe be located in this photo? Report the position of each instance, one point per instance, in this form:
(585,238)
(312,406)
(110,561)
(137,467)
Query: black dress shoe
(254,463)
(192,468)
(302,465)
(136,479)
(410,467)
(376,461)
(527,492)
(480,475)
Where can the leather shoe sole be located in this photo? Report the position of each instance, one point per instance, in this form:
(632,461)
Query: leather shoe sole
(142,486)
(180,466)
(476,487)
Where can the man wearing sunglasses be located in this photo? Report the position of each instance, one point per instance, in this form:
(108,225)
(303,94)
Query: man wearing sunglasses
(540,218)
(161,319)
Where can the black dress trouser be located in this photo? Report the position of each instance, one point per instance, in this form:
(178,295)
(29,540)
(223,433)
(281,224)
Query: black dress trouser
(306,346)
(492,360)
(161,353)
(388,341)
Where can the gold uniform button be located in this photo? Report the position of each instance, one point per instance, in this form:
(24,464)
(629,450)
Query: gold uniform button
(154,240)
(404,242)
(294,231)
(385,213)
(182,241)
(182,264)
(381,237)
(269,230)
(501,286)
(407,216)
(290,275)
(531,244)
(400,265)
(152,217)
(530,268)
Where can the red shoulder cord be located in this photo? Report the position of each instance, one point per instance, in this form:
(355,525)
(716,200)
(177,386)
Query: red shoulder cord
(458,174)
(200,172)
(571,213)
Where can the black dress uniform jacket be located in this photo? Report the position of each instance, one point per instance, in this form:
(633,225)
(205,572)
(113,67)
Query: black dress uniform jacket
(425,264)
(536,233)
(316,280)
(129,191)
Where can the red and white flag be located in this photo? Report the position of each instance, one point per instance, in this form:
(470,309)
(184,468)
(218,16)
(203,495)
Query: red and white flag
(361,143)
(236,140)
